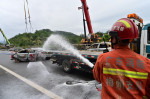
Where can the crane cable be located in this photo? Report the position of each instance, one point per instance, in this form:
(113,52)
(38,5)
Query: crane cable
(31,28)
(29,17)
(26,30)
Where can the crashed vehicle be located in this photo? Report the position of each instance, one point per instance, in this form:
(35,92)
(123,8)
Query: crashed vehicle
(24,55)
(44,55)
(30,55)
(100,46)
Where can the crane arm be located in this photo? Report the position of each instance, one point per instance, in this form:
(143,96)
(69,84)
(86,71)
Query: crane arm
(4,36)
(87,16)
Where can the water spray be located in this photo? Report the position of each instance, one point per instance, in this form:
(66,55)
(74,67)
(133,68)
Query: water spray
(58,40)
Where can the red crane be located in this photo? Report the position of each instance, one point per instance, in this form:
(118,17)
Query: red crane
(87,16)
(94,38)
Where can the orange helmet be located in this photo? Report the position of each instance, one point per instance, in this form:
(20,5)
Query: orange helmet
(124,29)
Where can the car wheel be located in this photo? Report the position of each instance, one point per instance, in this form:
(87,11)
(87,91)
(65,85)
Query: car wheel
(66,66)
(47,58)
(16,61)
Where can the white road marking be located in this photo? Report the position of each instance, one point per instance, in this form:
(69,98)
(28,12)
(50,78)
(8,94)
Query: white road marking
(32,84)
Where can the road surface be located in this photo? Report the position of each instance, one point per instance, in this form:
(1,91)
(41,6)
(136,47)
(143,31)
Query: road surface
(48,76)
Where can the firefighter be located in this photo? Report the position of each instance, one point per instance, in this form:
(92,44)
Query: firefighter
(123,73)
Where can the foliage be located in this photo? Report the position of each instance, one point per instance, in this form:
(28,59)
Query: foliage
(37,39)
(106,37)
(100,34)
(72,38)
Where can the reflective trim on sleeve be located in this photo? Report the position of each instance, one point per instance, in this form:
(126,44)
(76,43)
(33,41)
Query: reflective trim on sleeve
(120,72)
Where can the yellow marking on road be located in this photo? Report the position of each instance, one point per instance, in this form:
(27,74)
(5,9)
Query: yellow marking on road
(32,84)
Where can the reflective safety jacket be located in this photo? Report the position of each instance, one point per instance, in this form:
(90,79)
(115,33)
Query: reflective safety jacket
(123,73)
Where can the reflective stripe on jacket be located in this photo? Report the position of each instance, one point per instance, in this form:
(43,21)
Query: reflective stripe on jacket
(123,74)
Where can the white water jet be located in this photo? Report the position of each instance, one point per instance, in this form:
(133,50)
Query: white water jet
(38,68)
(57,40)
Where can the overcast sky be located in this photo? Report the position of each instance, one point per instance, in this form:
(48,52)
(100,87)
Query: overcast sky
(64,14)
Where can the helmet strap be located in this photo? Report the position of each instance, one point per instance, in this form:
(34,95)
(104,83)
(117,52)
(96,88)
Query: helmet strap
(131,40)
(113,35)
(114,43)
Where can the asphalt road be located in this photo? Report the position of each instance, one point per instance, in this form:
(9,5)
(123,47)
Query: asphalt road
(47,75)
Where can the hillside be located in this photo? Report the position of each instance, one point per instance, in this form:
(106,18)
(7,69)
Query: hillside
(39,37)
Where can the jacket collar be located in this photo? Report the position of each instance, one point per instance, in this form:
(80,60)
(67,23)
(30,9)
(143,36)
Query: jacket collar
(122,47)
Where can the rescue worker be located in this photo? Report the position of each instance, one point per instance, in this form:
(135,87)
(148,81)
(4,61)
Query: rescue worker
(123,73)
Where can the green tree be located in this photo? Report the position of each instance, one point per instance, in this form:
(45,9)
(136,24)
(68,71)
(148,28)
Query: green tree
(39,37)
(106,37)
(100,34)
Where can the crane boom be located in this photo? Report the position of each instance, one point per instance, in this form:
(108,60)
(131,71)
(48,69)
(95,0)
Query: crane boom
(92,38)
(87,16)
(4,36)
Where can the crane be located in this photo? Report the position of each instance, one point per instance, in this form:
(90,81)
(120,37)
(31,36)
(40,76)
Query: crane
(4,36)
(92,38)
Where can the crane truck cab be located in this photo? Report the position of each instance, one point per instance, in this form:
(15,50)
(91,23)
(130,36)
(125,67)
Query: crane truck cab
(145,41)
(142,44)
